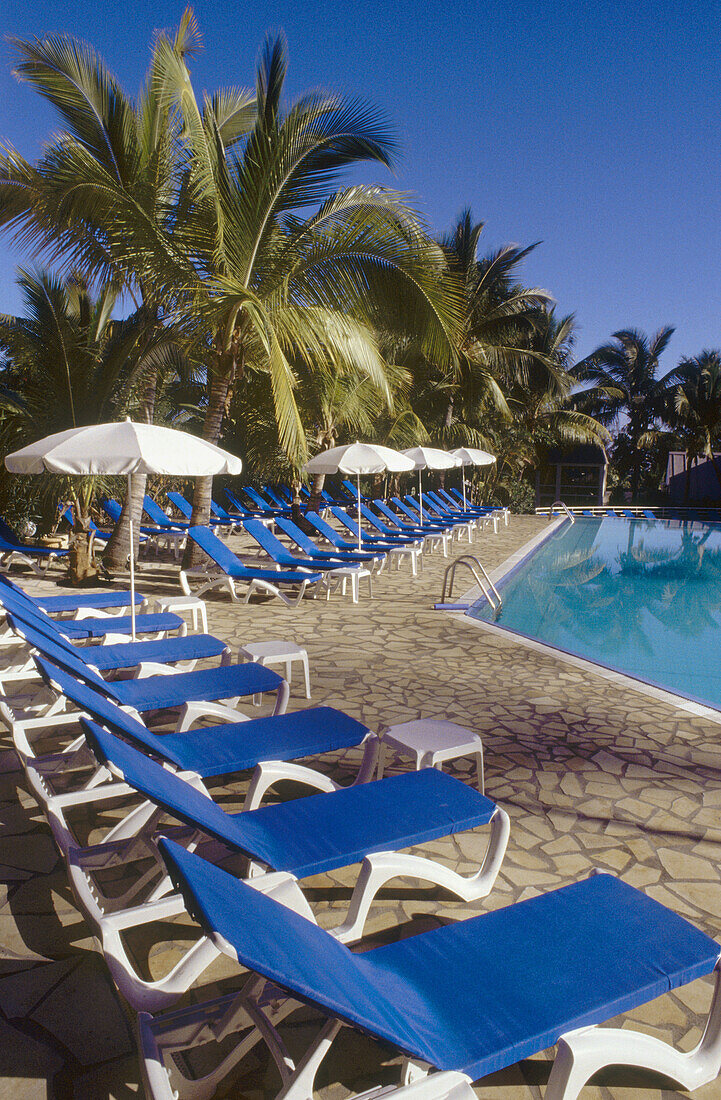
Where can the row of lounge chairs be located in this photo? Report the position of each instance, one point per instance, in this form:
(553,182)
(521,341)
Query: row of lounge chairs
(166,533)
(461,1001)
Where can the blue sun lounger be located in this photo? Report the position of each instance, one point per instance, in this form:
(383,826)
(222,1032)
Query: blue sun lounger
(299,838)
(211,752)
(430,523)
(111,657)
(239,510)
(264,508)
(352,490)
(196,694)
(165,532)
(12,551)
(231,569)
(334,538)
(435,514)
(186,509)
(75,601)
(455,499)
(430,533)
(276,500)
(172,689)
(154,512)
(113,510)
(382,541)
(278,553)
(398,546)
(68,515)
(82,629)
(472,997)
(340,557)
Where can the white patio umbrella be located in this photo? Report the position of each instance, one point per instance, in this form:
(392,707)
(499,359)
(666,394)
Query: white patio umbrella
(358,458)
(472,456)
(429,458)
(124,448)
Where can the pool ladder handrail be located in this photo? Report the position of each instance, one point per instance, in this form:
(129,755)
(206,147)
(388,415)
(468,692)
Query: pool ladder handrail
(481,578)
(566,509)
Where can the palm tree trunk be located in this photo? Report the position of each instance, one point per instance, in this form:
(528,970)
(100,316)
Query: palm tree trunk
(315,490)
(220,390)
(118,548)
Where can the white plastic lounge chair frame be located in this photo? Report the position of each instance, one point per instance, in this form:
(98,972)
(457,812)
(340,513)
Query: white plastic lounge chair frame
(109,919)
(257,1010)
(212,577)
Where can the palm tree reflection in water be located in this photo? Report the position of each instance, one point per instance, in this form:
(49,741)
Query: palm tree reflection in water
(650,608)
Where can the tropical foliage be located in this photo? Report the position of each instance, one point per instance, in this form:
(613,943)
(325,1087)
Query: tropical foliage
(277,306)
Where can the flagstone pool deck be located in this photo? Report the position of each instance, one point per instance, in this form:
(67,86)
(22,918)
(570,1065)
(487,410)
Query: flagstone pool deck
(593,774)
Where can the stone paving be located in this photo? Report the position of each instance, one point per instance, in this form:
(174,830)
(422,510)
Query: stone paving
(593,775)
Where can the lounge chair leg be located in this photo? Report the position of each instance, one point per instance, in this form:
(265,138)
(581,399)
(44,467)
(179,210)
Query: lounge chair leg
(582,1053)
(179,1031)
(381,867)
(301,1082)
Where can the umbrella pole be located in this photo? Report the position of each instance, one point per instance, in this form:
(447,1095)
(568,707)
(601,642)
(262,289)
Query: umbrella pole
(463,475)
(420,491)
(359,512)
(132,559)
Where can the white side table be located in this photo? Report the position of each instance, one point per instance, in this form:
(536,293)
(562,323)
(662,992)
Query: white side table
(193,604)
(277,653)
(430,742)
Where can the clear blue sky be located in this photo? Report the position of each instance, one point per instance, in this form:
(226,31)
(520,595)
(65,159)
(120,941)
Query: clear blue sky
(593,128)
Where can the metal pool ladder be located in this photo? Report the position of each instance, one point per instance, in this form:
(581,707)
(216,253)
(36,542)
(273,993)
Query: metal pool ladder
(565,508)
(480,576)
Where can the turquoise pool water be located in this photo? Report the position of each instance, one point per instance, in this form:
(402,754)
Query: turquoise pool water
(639,596)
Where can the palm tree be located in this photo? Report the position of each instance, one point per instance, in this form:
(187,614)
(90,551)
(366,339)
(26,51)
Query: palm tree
(276,285)
(497,314)
(627,385)
(67,363)
(694,407)
(106,198)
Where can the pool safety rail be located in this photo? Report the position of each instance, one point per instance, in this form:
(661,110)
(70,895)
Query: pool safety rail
(481,578)
(563,507)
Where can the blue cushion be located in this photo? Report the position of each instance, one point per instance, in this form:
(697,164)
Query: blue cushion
(306,544)
(275,549)
(226,560)
(119,624)
(40,634)
(475,996)
(307,836)
(218,750)
(72,601)
(91,599)
(192,647)
(329,532)
(382,543)
(222,750)
(225,682)
(158,516)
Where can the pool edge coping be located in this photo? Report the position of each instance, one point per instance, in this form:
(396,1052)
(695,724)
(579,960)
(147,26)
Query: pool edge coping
(505,570)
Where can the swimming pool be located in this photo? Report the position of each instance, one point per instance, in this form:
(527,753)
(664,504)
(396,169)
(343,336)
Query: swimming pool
(642,597)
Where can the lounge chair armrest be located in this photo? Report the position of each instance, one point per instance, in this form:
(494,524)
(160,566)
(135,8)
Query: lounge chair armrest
(171,906)
(91,613)
(270,772)
(153,668)
(193,712)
